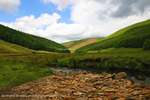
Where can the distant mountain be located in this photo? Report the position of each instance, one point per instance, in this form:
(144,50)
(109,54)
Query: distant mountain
(29,41)
(74,45)
(130,37)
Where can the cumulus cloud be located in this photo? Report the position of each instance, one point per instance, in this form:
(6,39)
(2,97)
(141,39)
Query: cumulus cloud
(61,4)
(34,25)
(90,18)
(130,7)
(9,5)
(48,26)
(116,8)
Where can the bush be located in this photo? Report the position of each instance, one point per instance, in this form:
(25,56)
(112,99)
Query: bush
(146,45)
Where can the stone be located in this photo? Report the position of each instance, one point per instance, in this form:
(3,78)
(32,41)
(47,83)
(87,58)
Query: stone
(85,86)
(78,93)
(121,75)
(110,90)
(129,83)
(68,98)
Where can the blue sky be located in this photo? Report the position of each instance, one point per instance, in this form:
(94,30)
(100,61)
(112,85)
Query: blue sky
(36,8)
(65,20)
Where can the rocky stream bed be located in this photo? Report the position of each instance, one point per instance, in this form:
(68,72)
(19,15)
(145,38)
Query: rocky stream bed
(81,85)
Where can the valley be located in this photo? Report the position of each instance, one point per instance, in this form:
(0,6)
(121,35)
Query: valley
(116,67)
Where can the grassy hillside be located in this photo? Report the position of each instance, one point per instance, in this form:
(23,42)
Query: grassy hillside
(74,45)
(6,48)
(29,41)
(19,64)
(129,37)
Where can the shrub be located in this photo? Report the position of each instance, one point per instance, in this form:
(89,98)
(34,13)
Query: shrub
(146,45)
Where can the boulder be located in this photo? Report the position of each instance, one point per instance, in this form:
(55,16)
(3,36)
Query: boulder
(121,75)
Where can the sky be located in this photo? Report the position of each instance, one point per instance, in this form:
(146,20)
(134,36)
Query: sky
(65,20)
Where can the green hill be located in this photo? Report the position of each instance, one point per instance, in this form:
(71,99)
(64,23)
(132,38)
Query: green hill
(7,48)
(74,45)
(19,64)
(29,41)
(130,37)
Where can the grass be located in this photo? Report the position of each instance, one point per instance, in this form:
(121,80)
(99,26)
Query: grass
(18,68)
(18,53)
(14,73)
(111,59)
(6,47)
(121,50)
(30,41)
(130,37)
(19,64)
(74,45)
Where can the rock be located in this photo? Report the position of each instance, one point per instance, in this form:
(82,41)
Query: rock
(129,83)
(100,94)
(130,98)
(98,83)
(68,98)
(85,86)
(110,90)
(109,76)
(115,98)
(121,98)
(121,75)
(78,93)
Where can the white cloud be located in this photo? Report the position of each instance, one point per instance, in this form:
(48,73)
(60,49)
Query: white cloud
(47,26)
(130,7)
(90,18)
(61,4)
(9,5)
(33,25)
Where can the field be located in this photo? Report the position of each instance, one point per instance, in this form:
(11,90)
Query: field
(74,45)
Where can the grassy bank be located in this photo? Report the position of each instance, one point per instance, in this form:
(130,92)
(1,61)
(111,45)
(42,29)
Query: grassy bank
(13,73)
(108,59)
(18,65)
